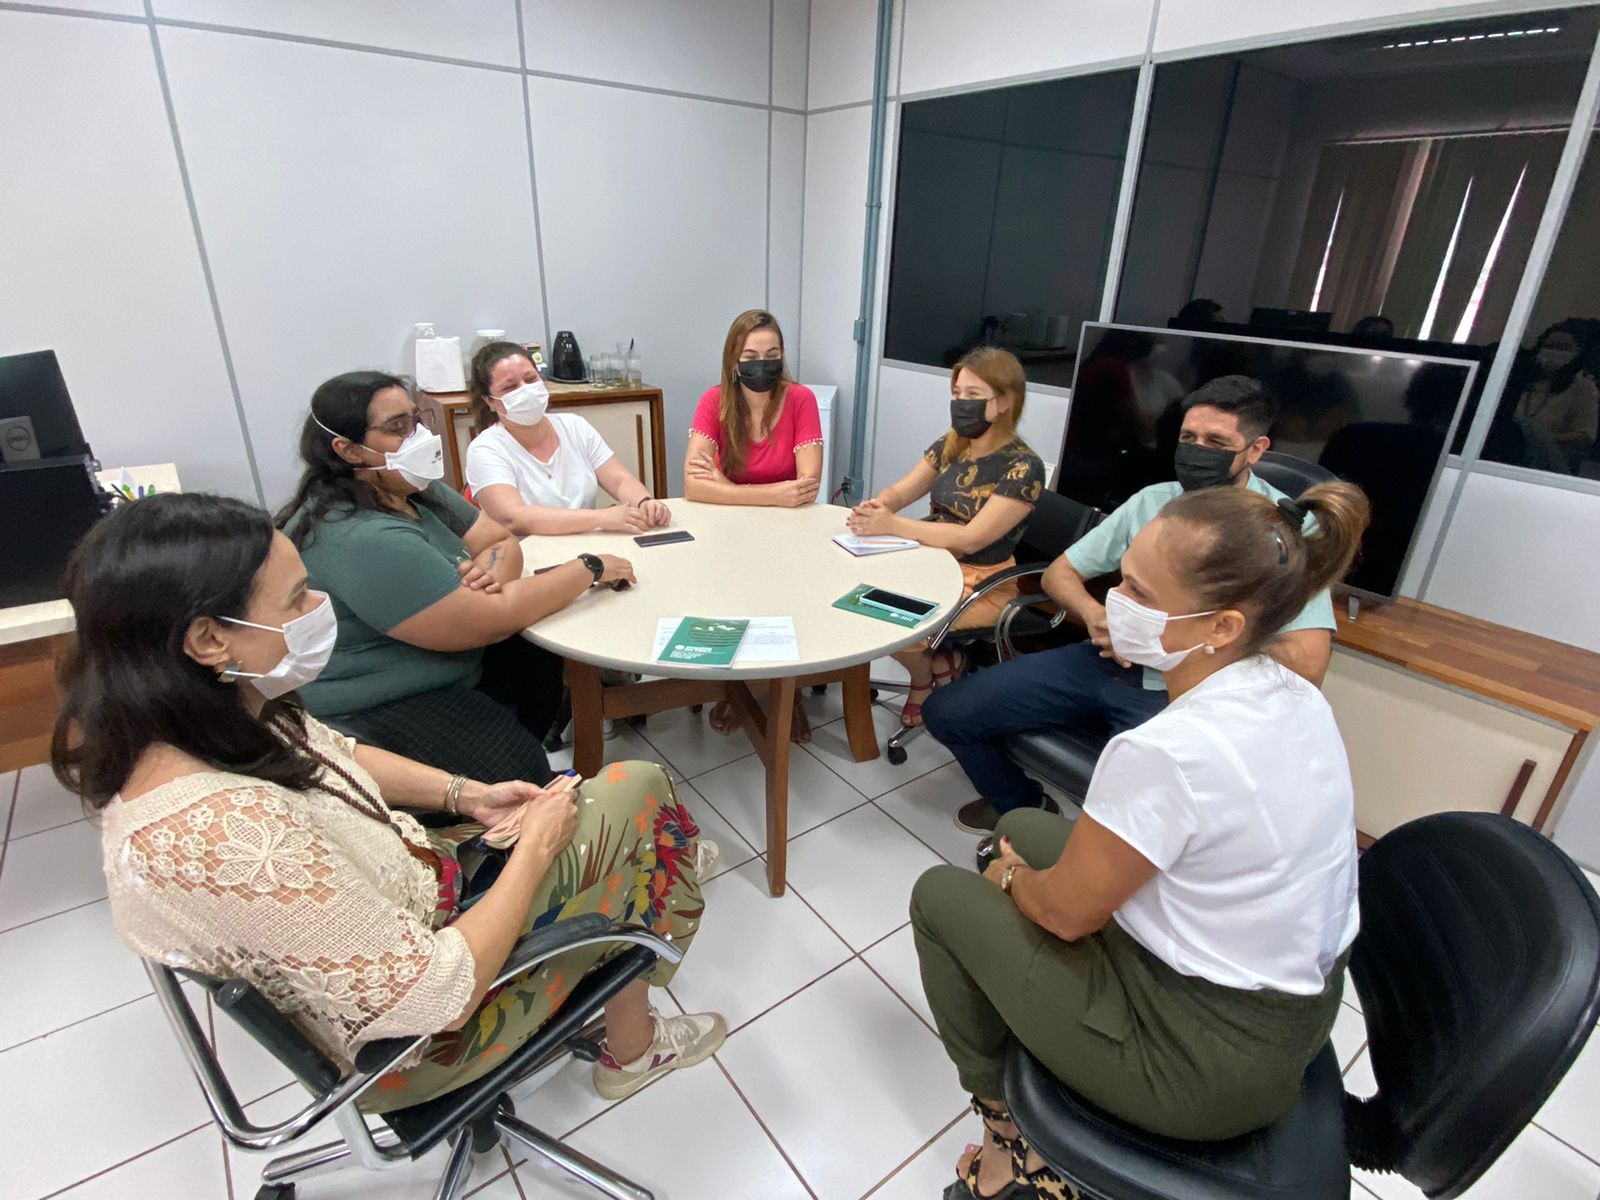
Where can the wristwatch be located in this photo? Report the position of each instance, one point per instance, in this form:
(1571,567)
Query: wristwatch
(595,564)
(1005,879)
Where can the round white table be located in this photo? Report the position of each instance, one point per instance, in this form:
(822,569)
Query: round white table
(744,562)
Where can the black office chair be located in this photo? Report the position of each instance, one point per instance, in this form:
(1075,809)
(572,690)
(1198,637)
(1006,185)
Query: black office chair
(1055,523)
(1064,759)
(1478,968)
(473,1119)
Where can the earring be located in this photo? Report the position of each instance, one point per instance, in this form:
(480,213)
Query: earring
(1210,649)
(230,672)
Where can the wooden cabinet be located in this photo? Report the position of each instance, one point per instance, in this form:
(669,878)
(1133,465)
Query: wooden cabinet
(1442,712)
(629,419)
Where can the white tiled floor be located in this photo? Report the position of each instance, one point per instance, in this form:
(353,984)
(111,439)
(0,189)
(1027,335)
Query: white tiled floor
(832,1084)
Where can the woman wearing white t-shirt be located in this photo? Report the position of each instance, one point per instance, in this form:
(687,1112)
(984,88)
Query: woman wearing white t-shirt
(1176,955)
(536,471)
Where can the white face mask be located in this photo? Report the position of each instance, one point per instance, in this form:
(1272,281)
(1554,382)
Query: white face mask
(1551,360)
(309,639)
(1136,632)
(527,404)
(420,459)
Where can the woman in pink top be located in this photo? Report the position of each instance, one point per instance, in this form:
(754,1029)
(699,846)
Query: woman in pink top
(756,437)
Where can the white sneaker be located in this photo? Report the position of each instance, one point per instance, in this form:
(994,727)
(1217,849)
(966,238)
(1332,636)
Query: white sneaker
(706,856)
(679,1042)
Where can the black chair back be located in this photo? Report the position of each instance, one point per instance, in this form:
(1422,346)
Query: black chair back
(1054,524)
(1291,475)
(1478,968)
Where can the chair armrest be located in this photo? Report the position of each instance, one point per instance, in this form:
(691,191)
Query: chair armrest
(532,948)
(998,579)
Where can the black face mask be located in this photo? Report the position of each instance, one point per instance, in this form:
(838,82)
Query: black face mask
(967,419)
(760,374)
(1200,466)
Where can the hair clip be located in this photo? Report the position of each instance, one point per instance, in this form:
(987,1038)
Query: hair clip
(1283,548)
(1294,512)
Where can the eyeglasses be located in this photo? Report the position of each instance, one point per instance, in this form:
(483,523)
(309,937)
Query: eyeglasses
(404,425)
(1190,439)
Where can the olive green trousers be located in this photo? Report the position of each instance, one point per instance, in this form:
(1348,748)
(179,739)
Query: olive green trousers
(1171,1053)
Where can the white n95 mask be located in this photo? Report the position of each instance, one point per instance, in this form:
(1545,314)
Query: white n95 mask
(420,459)
(527,404)
(309,639)
(1136,632)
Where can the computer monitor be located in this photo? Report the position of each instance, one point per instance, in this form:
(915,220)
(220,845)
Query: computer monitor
(46,506)
(1290,318)
(1379,419)
(37,419)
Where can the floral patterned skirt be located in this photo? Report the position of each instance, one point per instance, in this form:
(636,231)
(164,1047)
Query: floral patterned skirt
(631,859)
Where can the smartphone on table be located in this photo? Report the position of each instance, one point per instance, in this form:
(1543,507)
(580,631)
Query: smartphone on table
(664,539)
(895,602)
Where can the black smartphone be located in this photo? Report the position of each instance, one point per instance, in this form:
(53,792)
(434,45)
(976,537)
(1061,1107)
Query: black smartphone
(895,602)
(664,539)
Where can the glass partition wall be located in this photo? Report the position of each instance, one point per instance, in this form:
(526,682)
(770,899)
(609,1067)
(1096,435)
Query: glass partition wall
(1382,190)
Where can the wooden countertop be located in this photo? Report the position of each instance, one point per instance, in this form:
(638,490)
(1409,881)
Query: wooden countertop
(572,393)
(1554,680)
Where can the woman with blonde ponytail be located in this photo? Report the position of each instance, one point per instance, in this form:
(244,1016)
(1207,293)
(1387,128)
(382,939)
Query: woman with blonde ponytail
(1176,955)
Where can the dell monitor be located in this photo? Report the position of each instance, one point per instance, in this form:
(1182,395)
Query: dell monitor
(1379,419)
(37,419)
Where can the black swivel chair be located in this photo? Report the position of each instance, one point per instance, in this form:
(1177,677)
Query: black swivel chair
(1055,523)
(1065,758)
(1478,968)
(473,1119)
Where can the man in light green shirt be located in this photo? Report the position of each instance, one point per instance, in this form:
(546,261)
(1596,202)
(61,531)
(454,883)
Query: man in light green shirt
(1225,424)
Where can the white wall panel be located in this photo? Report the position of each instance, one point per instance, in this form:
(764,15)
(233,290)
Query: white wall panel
(913,408)
(1188,24)
(345,196)
(670,264)
(948,45)
(98,260)
(707,47)
(788,211)
(476,30)
(128,8)
(1522,554)
(844,36)
(835,220)
(791,38)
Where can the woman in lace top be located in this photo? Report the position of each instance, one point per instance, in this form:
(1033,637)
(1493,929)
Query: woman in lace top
(244,839)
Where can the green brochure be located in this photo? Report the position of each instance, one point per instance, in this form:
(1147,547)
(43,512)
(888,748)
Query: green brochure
(705,642)
(851,602)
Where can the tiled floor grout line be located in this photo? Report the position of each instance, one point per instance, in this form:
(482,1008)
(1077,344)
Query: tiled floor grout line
(11,816)
(515,1181)
(131,1158)
(771,1137)
(38,1037)
(1580,1153)
(915,1154)
(22,837)
(936,852)
(896,994)
(47,916)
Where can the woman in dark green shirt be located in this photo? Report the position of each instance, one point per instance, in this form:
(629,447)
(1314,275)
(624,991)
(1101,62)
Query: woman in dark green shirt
(982,481)
(428,592)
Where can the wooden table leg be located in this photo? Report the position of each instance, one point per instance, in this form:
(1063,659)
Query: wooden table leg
(588,719)
(780,712)
(857,685)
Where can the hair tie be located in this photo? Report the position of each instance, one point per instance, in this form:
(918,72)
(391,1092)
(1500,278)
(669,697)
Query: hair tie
(1294,512)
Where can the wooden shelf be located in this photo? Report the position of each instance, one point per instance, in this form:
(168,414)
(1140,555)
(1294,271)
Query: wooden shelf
(1548,678)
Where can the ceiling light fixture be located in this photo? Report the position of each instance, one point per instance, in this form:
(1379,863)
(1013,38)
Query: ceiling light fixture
(1472,37)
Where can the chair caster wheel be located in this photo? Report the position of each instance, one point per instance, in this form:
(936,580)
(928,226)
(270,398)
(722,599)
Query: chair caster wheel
(873,693)
(819,689)
(275,1191)
(896,755)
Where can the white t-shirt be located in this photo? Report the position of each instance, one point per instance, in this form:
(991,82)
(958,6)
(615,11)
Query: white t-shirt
(1239,792)
(566,481)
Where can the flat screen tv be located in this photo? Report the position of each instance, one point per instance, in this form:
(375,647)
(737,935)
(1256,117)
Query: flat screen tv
(1380,419)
